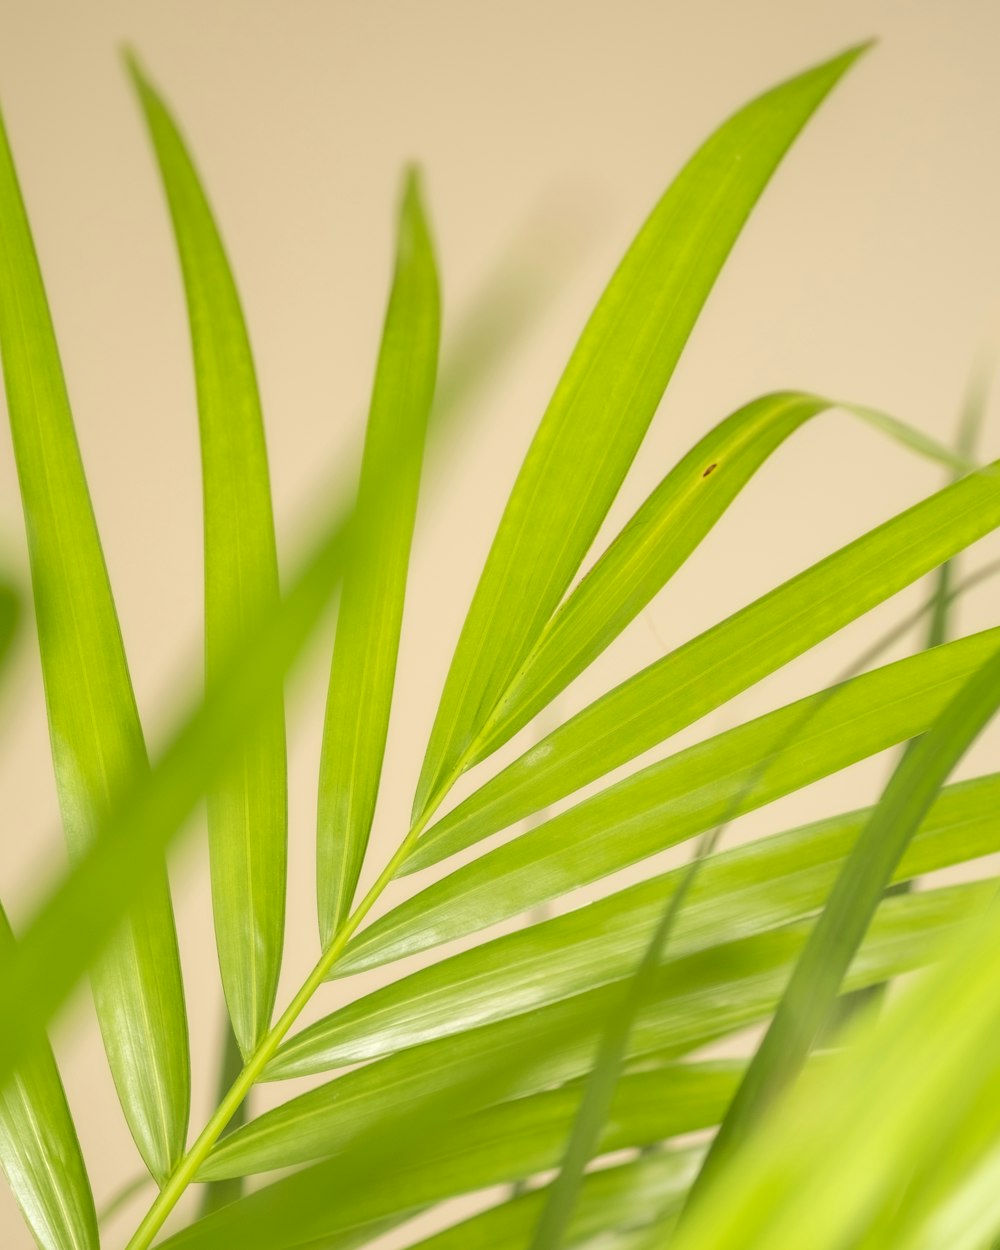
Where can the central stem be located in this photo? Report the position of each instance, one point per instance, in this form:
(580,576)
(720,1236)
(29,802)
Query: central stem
(188,1167)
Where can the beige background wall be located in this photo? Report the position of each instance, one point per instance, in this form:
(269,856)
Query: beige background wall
(870,271)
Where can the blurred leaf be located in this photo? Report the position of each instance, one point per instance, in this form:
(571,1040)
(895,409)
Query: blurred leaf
(695,1001)
(900,1103)
(730,657)
(371,602)
(39,1151)
(220,1193)
(658,539)
(602,407)
(676,798)
(867,870)
(10,610)
(615,1201)
(97,743)
(247,806)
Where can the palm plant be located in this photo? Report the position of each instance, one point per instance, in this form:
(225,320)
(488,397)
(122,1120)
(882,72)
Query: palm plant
(574,1043)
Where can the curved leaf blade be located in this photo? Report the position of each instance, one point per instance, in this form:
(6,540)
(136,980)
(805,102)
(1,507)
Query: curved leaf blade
(97,742)
(371,603)
(726,659)
(39,1150)
(659,538)
(248,806)
(676,798)
(603,405)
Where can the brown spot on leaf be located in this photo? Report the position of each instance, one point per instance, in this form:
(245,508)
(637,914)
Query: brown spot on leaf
(711,469)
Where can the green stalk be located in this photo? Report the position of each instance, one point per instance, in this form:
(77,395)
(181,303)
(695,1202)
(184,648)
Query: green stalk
(186,1171)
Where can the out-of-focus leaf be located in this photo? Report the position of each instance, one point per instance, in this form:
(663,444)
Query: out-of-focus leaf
(371,602)
(247,806)
(739,892)
(9,613)
(603,404)
(661,805)
(730,657)
(614,1204)
(917,1088)
(97,742)
(219,1193)
(39,1151)
(695,1001)
(657,540)
(78,919)
(508,1141)
(866,872)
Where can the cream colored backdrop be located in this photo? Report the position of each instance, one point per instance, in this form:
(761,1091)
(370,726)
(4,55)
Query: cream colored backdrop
(870,270)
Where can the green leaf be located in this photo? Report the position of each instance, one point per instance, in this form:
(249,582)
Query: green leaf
(97,742)
(39,1150)
(76,922)
(221,1193)
(709,670)
(371,603)
(78,919)
(247,806)
(696,1000)
(506,1142)
(865,874)
(658,539)
(669,801)
(603,405)
(10,611)
(917,1090)
(614,1204)
(738,892)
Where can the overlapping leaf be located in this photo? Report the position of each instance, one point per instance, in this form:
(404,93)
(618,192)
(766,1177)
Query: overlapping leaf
(680,796)
(765,883)
(247,806)
(697,999)
(865,873)
(726,659)
(511,1140)
(602,407)
(371,602)
(97,742)
(657,540)
(917,1090)
(39,1150)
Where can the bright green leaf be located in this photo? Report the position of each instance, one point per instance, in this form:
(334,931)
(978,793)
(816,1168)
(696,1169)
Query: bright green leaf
(39,1151)
(97,742)
(695,1001)
(371,602)
(603,405)
(666,802)
(657,540)
(247,807)
(709,670)
(766,882)
(506,1142)
(865,874)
